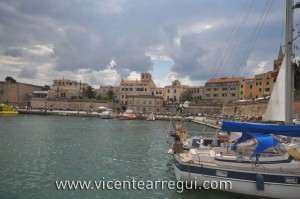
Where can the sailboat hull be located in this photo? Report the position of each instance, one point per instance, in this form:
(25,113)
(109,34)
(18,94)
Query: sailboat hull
(241,182)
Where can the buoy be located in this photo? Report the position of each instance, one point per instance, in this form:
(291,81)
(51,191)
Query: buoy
(260,182)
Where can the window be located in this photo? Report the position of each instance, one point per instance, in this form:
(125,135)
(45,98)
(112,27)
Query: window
(168,90)
(215,95)
(259,89)
(150,102)
(260,83)
(207,95)
(215,89)
(241,92)
(267,89)
(208,89)
(250,86)
(130,89)
(224,89)
(241,86)
(256,83)
(224,95)
(267,83)
(174,90)
(233,94)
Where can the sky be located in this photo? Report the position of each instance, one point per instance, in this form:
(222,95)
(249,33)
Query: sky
(103,41)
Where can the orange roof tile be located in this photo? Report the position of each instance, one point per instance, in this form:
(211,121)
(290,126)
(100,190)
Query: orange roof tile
(225,80)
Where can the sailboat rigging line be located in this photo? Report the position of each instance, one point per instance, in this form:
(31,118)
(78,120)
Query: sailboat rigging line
(256,33)
(252,43)
(233,35)
(235,39)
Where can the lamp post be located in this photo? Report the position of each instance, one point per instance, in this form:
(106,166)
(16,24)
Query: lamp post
(46,105)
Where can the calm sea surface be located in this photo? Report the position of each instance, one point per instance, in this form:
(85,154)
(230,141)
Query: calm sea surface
(36,151)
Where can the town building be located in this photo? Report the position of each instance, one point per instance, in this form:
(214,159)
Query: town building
(278,61)
(174,92)
(196,93)
(105,88)
(16,93)
(258,87)
(66,89)
(222,89)
(145,104)
(136,87)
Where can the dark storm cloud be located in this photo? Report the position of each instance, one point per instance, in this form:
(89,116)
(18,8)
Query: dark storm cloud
(13,52)
(29,72)
(88,34)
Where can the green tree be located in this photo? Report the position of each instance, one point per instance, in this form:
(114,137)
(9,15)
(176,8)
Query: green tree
(89,92)
(186,96)
(46,88)
(98,96)
(110,94)
(10,79)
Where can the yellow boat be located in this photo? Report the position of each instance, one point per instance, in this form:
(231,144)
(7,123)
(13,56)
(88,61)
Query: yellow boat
(7,110)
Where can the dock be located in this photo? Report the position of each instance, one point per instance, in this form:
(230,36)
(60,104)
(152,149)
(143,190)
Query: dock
(95,114)
(210,123)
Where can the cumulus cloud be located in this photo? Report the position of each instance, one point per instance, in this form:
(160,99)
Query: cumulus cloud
(81,38)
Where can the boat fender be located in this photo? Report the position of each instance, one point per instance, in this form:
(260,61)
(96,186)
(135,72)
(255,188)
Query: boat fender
(294,153)
(260,182)
(257,163)
(239,157)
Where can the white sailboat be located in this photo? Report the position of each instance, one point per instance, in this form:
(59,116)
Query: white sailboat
(256,164)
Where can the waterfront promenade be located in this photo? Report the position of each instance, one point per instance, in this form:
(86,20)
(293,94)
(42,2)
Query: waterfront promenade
(96,114)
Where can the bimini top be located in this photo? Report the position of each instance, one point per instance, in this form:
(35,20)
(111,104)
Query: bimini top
(285,130)
(264,142)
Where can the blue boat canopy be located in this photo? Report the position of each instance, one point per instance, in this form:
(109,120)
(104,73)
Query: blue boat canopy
(291,131)
(264,142)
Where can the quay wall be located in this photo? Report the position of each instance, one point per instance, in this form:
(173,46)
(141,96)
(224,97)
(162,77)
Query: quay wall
(253,108)
(75,105)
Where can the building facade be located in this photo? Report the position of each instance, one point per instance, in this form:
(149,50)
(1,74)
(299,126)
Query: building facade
(222,89)
(196,92)
(174,92)
(105,88)
(16,94)
(145,104)
(258,87)
(143,87)
(66,89)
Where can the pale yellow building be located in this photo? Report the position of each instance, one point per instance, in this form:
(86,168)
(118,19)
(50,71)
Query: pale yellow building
(174,92)
(136,87)
(66,89)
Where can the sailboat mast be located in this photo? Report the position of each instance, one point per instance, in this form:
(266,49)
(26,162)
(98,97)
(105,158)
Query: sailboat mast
(288,53)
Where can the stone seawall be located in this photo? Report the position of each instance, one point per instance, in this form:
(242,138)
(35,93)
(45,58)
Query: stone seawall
(253,108)
(79,105)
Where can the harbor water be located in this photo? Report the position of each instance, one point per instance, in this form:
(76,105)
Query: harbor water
(37,151)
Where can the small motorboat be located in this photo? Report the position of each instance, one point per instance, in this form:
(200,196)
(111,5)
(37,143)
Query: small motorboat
(128,115)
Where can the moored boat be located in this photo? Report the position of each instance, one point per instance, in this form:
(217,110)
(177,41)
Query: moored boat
(108,114)
(128,115)
(256,163)
(7,110)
